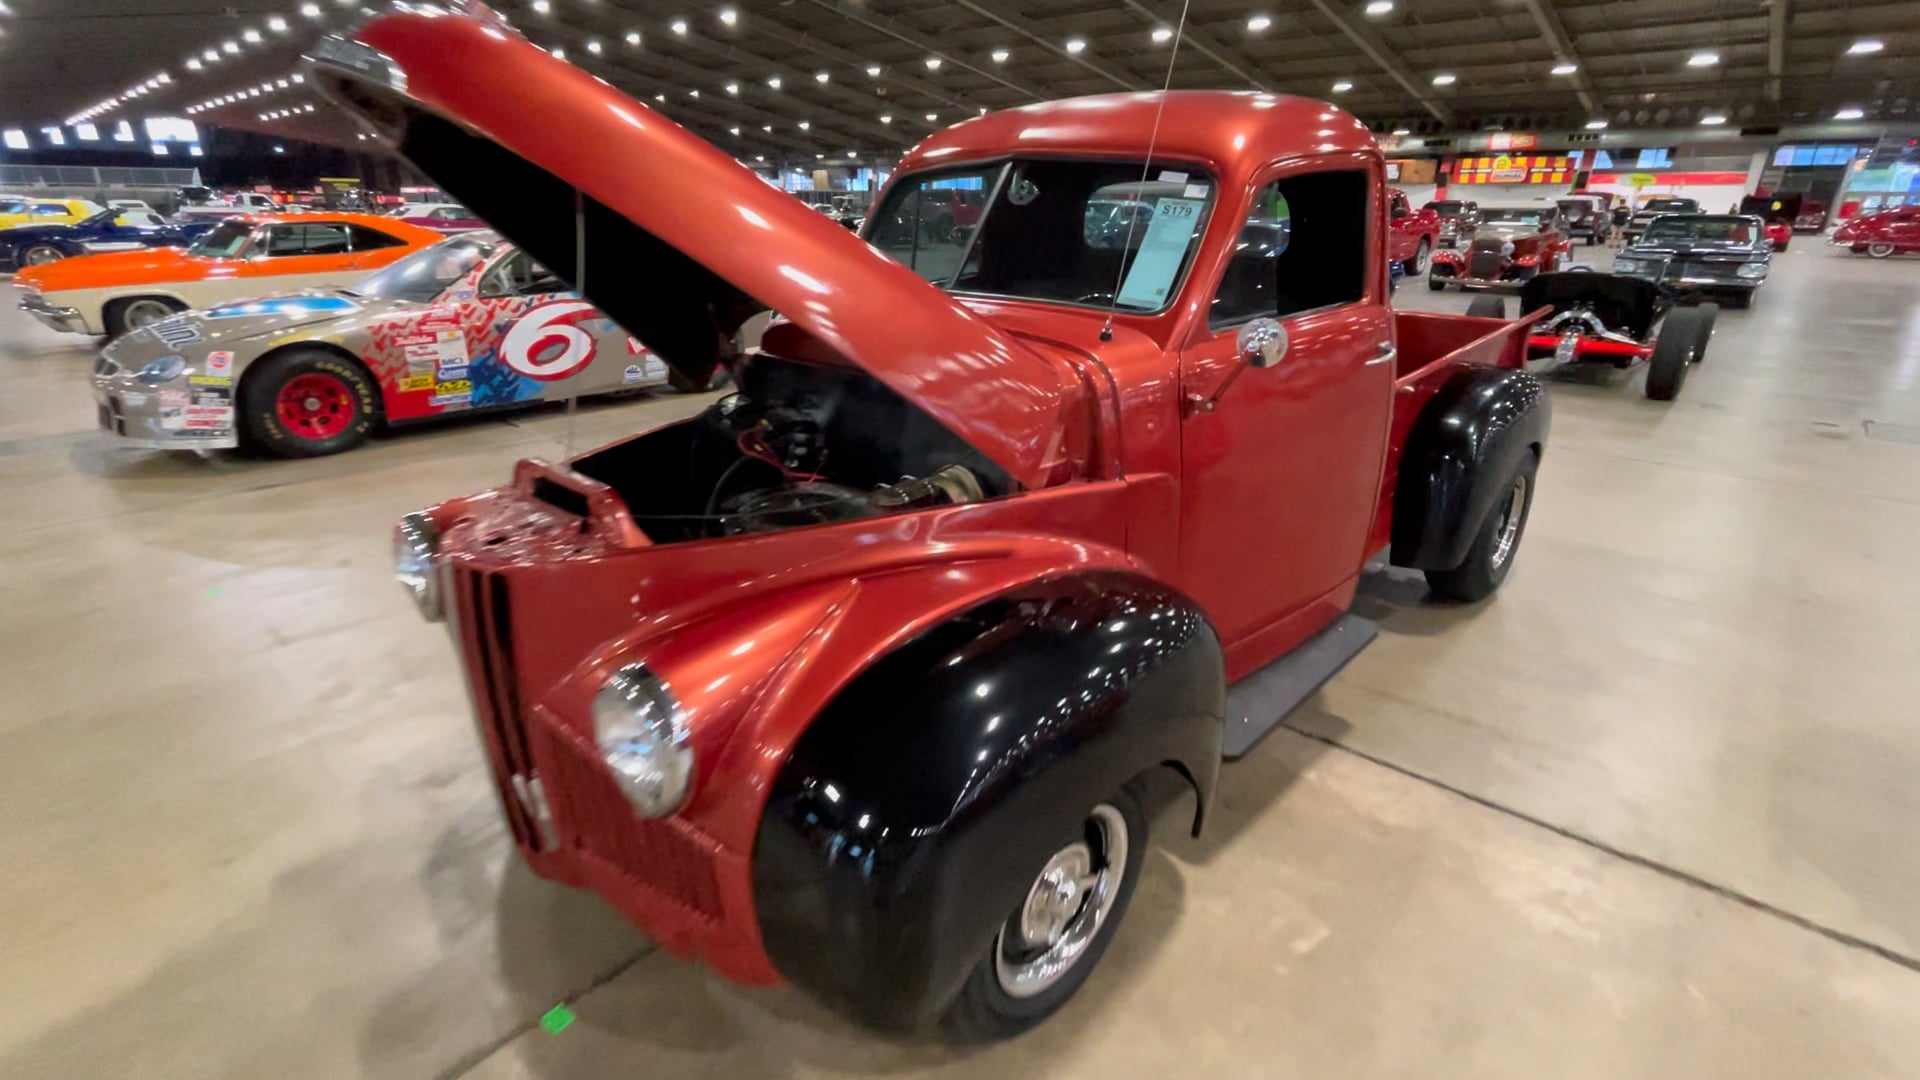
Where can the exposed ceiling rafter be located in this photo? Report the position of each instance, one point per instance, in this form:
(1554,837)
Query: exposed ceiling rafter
(1376,50)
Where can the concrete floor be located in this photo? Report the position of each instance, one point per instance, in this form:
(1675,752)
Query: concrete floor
(1647,814)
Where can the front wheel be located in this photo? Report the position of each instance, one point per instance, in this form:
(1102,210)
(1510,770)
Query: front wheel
(1879,251)
(126,316)
(307,403)
(1491,556)
(1048,946)
(1418,264)
(1682,341)
(41,255)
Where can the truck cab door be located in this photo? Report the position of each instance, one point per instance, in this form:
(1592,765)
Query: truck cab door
(1405,234)
(1279,478)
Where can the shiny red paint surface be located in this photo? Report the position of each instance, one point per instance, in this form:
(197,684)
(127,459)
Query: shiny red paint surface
(1899,227)
(1781,233)
(1590,347)
(1260,499)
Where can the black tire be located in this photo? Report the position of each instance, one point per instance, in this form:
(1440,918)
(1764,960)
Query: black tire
(133,312)
(1437,284)
(681,384)
(1417,265)
(985,1010)
(1709,314)
(1491,557)
(1488,307)
(39,255)
(1682,338)
(261,427)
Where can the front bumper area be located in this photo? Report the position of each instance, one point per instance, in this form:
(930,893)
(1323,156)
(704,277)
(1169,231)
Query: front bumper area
(66,320)
(186,413)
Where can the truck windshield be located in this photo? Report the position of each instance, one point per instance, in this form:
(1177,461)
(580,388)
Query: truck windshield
(223,241)
(1073,232)
(1738,230)
(1672,206)
(422,276)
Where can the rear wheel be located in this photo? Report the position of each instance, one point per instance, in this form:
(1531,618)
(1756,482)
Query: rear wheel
(41,254)
(1880,250)
(307,403)
(1437,284)
(1491,556)
(1418,264)
(1682,340)
(1488,307)
(125,316)
(1050,943)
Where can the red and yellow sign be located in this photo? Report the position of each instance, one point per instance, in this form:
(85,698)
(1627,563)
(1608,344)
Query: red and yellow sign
(1514,169)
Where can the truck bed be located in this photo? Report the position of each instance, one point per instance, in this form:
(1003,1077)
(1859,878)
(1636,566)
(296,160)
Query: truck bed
(1430,346)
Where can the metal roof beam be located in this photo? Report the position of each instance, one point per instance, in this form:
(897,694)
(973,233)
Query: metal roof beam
(905,35)
(1201,41)
(1555,31)
(1778,13)
(835,53)
(1376,50)
(1030,30)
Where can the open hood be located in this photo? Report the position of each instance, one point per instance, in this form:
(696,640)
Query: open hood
(681,244)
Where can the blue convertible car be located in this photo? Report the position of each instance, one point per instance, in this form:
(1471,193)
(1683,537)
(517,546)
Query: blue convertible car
(108,230)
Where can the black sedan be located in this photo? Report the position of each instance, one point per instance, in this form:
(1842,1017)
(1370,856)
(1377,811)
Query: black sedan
(108,230)
(1722,255)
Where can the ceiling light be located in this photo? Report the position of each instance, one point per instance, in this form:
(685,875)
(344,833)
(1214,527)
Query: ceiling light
(693,93)
(1259,23)
(311,11)
(252,36)
(733,131)
(933,63)
(1703,59)
(805,124)
(1596,125)
(1162,35)
(931,117)
(767,128)
(279,149)
(1000,56)
(729,16)
(873,71)
(298,78)
(773,81)
(821,76)
(541,7)
(886,118)
(593,46)
(1403,131)
(263,116)
(277,24)
(853,153)
(1380,7)
(194,64)
(819,157)
(1713,119)
(733,88)
(759,157)
(633,37)
(210,56)
(1565,68)
(309,108)
(1849,113)
(1865,46)
(230,46)
(163,78)
(558,53)
(678,26)
(1076,45)
(1342,86)
(1443,79)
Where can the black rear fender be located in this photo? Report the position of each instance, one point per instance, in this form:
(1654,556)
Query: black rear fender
(1463,447)
(910,818)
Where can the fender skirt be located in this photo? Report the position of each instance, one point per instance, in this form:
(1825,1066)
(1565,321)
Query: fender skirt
(1459,455)
(911,817)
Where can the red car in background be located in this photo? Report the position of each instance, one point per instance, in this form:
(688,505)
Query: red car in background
(1413,234)
(1881,233)
(1778,212)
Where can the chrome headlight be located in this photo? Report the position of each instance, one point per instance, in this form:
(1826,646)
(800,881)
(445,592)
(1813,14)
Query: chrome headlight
(642,734)
(1625,266)
(1752,270)
(415,542)
(1506,249)
(165,369)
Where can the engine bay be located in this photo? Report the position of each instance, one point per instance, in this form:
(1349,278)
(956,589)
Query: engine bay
(797,444)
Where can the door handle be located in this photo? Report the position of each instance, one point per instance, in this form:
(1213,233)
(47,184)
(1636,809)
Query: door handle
(1386,354)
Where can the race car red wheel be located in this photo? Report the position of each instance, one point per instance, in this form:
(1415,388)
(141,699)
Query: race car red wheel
(307,403)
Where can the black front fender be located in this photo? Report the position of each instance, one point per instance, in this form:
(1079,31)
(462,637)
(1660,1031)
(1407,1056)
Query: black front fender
(911,817)
(1463,448)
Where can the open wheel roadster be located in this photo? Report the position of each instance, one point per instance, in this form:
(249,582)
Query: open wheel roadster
(1608,318)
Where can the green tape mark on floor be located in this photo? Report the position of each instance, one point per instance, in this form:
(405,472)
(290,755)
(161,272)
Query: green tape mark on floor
(557,1020)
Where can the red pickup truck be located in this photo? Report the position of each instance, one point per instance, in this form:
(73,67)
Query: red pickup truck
(853,679)
(1413,234)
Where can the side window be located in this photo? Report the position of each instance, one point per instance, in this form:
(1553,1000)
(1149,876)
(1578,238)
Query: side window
(1304,246)
(926,228)
(306,240)
(49,210)
(365,239)
(517,275)
(1400,207)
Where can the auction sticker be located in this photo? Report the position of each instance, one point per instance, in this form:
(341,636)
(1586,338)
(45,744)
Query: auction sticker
(417,382)
(219,363)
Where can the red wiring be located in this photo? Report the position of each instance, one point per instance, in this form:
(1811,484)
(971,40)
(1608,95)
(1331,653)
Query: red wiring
(749,443)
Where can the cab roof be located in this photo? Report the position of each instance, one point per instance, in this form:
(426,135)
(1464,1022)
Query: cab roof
(1230,131)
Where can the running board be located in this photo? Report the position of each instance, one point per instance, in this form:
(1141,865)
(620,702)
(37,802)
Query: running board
(1257,703)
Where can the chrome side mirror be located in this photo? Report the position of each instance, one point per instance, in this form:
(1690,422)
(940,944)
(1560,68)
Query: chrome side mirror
(1262,343)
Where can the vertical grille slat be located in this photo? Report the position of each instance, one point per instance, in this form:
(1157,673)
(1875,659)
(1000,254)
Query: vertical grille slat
(493,700)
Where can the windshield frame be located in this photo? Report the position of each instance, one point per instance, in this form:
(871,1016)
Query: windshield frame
(1001,167)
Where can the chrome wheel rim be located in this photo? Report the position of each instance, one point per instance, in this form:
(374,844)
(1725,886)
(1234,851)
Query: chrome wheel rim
(1064,908)
(1420,259)
(1879,251)
(146,312)
(1510,515)
(41,256)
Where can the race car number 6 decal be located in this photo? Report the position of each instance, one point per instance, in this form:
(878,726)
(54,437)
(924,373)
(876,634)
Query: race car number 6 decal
(540,330)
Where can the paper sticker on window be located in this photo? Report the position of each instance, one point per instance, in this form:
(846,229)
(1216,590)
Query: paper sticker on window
(1162,249)
(1171,177)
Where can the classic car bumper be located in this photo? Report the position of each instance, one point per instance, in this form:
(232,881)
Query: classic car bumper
(64,319)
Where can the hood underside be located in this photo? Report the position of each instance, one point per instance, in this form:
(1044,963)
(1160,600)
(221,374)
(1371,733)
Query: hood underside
(670,237)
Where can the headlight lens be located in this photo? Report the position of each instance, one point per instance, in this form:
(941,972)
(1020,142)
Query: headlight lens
(642,734)
(1625,266)
(165,369)
(1752,270)
(415,541)
(1507,248)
